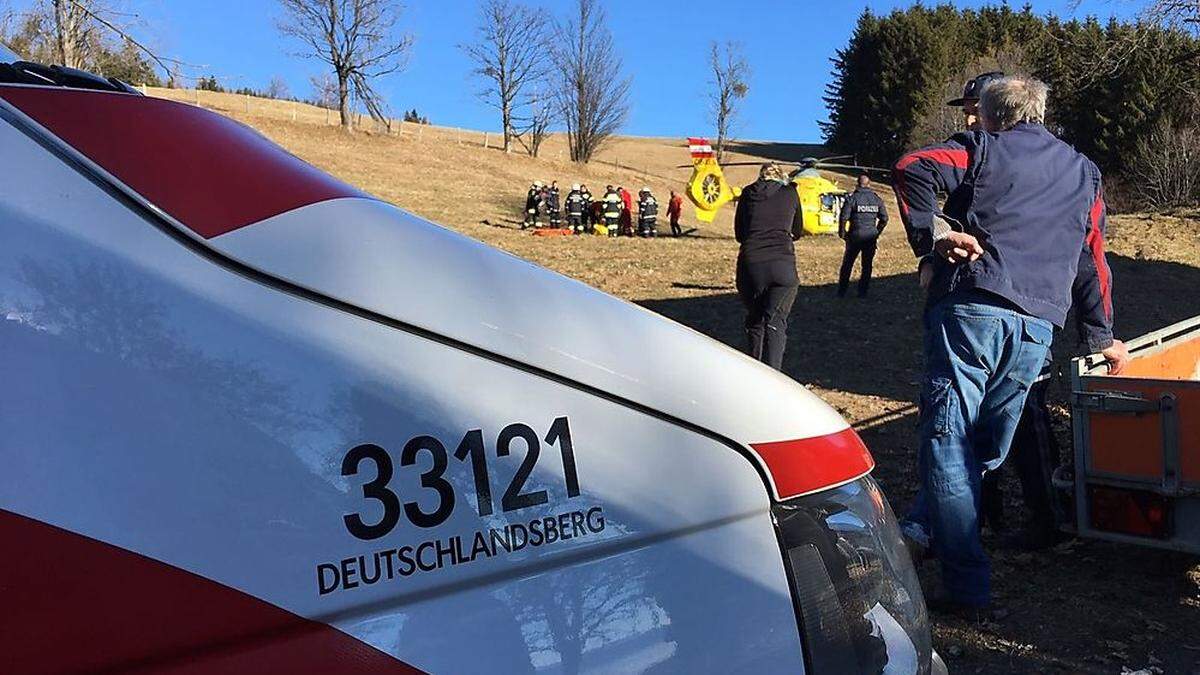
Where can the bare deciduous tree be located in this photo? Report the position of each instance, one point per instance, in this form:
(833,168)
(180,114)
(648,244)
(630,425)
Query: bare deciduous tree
(325,91)
(510,53)
(357,38)
(532,126)
(730,75)
(1165,166)
(1182,14)
(591,93)
(74,30)
(86,34)
(277,88)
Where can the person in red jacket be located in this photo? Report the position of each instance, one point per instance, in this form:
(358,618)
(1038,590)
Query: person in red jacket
(674,210)
(626,212)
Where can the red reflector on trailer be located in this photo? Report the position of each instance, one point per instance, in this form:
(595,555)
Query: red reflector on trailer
(811,464)
(1134,512)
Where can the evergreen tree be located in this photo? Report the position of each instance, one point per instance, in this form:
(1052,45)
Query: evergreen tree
(1110,85)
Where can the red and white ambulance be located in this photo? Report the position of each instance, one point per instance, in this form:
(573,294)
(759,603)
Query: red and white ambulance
(255,420)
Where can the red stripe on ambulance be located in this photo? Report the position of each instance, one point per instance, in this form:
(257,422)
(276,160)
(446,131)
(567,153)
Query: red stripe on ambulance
(76,604)
(207,171)
(811,464)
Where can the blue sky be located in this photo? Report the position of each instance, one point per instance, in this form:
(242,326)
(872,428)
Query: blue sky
(663,45)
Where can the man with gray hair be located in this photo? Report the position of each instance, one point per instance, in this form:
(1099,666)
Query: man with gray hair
(1026,236)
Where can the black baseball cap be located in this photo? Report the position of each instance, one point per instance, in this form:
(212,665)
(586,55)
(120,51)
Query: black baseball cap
(975,86)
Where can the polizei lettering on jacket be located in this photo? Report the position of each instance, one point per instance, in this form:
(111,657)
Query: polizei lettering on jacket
(434,554)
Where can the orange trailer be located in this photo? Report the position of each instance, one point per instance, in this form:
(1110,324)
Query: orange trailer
(1137,443)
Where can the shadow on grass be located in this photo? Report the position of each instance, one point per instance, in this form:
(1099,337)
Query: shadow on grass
(872,346)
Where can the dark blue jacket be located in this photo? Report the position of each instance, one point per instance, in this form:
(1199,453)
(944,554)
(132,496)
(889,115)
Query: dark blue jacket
(865,213)
(1037,208)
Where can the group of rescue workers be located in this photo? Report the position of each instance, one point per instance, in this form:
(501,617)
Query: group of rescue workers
(1018,242)
(612,214)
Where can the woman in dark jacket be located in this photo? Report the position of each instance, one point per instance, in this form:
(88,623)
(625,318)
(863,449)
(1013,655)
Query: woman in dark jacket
(768,219)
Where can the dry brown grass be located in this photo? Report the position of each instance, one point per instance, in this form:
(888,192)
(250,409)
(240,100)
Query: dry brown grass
(863,357)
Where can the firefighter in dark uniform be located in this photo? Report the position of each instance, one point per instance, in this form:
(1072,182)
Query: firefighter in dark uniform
(647,214)
(533,202)
(613,206)
(587,208)
(861,222)
(575,209)
(553,205)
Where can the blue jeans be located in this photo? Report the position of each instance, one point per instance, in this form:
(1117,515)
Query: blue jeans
(981,357)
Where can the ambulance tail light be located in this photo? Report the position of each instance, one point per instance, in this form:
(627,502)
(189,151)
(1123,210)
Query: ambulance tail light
(807,465)
(1133,512)
(858,600)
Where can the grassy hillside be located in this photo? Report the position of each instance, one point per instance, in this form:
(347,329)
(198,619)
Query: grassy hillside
(448,176)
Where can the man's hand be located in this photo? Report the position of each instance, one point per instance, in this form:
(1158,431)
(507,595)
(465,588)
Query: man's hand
(1117,356)
(958,247)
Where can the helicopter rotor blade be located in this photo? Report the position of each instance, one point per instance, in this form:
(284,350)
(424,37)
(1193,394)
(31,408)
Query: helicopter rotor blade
(852,167)
(725,164)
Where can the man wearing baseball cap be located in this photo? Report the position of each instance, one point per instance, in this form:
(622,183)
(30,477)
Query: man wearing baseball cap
(969,101)
(1033,450)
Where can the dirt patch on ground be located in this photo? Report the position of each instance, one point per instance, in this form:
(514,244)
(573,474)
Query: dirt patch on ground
(1082,607)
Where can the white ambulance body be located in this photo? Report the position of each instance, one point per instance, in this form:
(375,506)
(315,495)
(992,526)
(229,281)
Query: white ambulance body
(253,420)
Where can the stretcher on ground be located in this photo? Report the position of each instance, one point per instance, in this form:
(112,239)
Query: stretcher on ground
(1136,476)
(552,232)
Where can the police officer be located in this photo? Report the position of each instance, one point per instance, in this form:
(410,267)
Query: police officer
(647,214)
(553,205)
(613,206)
(866,216)
(533,202)
(575,209)
(587,208)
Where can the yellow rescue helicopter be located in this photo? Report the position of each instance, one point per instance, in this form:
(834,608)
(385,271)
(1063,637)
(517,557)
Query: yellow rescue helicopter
(820,198)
